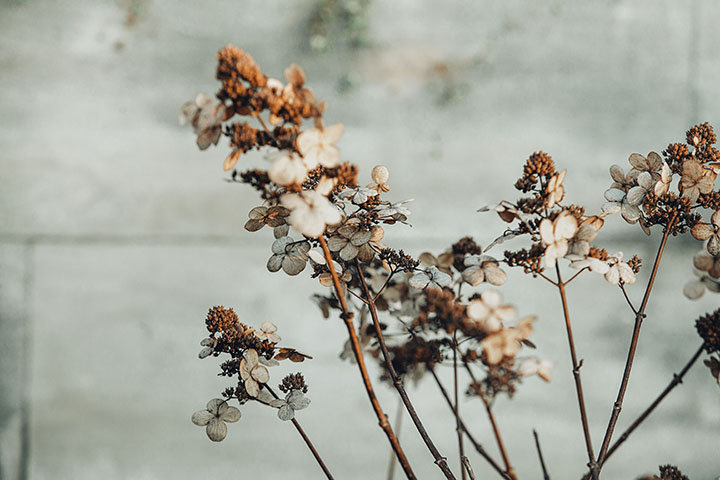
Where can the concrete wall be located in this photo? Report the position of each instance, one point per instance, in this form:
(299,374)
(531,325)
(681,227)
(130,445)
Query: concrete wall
(116,234)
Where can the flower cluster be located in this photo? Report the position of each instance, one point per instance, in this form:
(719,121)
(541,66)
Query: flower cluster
(252,351)
(559,231)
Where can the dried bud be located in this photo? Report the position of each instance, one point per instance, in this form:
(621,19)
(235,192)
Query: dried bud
(380,174)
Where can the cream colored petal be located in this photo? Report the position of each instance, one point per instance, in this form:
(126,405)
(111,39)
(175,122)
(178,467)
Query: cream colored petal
(261,374)
(251,357)
(546,231)
(614,195)
(613,275)
(626,273)
(636,196)
(565,227)
(252,387)
(473,275)
(495,276)
(328,156)
(506,313)
(703,261)
(308,140)
(713,246)
(491,298)
(477,310)
(333,133)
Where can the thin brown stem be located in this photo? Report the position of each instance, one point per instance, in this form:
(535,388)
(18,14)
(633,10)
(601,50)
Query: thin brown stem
(550,280)
(627,299)
(575,276)
(576,369)
(440,461)
(496,431)
(398,424)
(676,380)
(359,357)
(478,447)
(461,447)
(546,475)
(639,317)
(467,467)
(309,444)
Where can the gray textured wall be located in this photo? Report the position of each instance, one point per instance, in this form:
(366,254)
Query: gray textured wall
(116,234)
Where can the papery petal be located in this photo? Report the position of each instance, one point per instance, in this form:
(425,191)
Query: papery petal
(630,213)
(614,195)
(297,400)
(261,374)
(308,140)
(252,387)
(617,173)
(638,161)
(613,275)
(251,357)
(506,312)
(473,275)
(293,265)
(286,413)
(702,231)
(565,226)
(713,246)
(611,208)
(546,231)
(495,276)
(231,415)
(202,417)
(277,403)
(333,133)
(419,280)
(654,161)
(216,430)
(491,298)
(636,196)
(275,263)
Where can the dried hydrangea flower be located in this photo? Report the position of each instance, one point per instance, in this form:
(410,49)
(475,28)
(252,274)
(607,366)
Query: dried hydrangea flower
(380,176)
(310,212)
(594,264)
(316,146)
(208,345)
(432,278)
(619,270)
(505,210)
(709,231)
(650,165)
(271,216)
(555,235)
(287,168)
(506,342)
(534,366)
(206,118)
(555,190)
(696,179)
(289,255)
(352,241)
(580,243)
(705,262)
(395,211)
(489,312)
(214,417)
(621,181)
(443,262)
(252,373)
(358,195)
(293,401)
(267,332)
(617,201)
(481,268)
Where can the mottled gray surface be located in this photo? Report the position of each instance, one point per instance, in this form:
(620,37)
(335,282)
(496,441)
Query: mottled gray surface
(116,234)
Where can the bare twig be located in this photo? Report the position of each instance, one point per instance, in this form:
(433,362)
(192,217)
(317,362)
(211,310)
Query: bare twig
(398,425)
(496,431)
(357,351)
(307,440)
(467,467)
(440,461)
(639,317)
(546,475)
(461,447)
(676,380)
(478,447)
(576,369)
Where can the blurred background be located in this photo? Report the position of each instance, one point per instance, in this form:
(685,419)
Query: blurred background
(117,234)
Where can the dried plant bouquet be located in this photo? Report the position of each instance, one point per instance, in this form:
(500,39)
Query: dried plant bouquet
(413,314)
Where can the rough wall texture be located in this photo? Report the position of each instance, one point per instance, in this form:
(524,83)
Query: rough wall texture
(116,234)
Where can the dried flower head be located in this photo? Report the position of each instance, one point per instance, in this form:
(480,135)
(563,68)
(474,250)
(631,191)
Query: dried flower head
(708,327)
(214,417)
